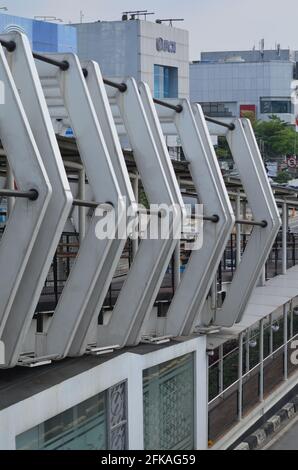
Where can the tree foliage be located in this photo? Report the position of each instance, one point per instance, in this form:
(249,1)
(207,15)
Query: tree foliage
(222,149)
(278,137)
(275,137)
(283,177)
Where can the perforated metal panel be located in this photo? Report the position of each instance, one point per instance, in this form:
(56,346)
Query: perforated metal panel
(169,405)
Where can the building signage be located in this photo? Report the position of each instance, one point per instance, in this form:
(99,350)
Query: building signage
(291,161)
(165,45)
(248,110)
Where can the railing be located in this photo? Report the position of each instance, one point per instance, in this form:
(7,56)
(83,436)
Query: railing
(240,378)
(273,265)
(69,246)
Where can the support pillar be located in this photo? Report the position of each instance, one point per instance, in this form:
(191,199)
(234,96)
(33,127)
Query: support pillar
(238,228)
(285,318)
(284,236)
(261,353)
(135,185)
(240,376)
(82,210)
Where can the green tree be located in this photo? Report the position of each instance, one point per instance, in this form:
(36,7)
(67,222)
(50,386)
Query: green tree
(283,177)
(223,149)
(278,137)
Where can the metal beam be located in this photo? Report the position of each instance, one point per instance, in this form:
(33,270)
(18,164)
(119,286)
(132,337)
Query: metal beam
(25,75)
(144,279)
(17,244)
(94,252)
(185,311)
(249,162)
(32,194)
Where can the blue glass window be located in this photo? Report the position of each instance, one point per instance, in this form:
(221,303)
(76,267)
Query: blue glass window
(165,81)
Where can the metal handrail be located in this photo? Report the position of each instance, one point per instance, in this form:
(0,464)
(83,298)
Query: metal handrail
(220,395)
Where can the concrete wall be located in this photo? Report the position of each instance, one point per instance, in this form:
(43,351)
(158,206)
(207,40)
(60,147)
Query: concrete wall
(26,414)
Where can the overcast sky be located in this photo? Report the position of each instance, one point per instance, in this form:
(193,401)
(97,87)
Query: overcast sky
(213,24)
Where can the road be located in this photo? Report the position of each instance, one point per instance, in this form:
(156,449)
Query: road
(287,440)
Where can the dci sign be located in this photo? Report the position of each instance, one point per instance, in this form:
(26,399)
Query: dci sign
(165,45)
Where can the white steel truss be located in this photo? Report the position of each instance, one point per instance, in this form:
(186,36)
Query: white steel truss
(60,88)
(186,306)
(75,100)
(261,201)
(103,111)
(26,79)
(27,215)
(144,279)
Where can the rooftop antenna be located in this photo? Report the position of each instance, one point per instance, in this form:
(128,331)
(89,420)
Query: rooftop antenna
(170,20)
(262,47)
(136,14)
(81,16)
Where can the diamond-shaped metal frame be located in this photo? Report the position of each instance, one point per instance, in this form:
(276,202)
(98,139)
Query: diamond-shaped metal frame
(29,172)
(25,75)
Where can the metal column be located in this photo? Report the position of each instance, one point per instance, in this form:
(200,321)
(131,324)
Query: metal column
(81,209)
(285,328)
(135,242)
(240,376)
(261,360)
(284,236)
(238,228)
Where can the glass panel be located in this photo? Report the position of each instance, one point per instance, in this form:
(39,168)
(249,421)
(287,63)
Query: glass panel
(278,333)
(158,81)
(213,381)
(82,427)
(275,106)
(230,368)
(213,374)
(267,330)
(165,82)
(254,349)
(230,363)
(169,405)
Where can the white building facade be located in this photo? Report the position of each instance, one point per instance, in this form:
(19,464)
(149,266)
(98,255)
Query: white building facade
(236,82)
(154,53)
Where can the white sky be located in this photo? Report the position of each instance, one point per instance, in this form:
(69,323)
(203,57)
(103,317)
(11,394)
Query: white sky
(213,24)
